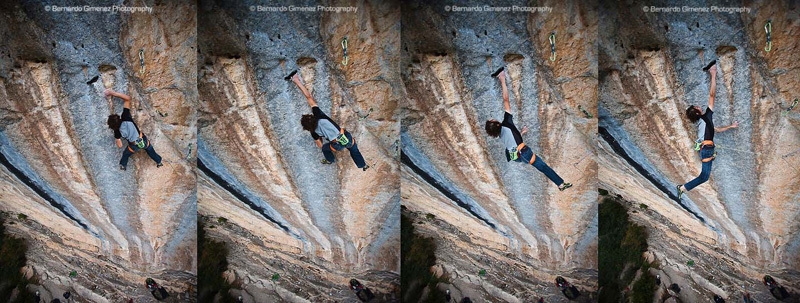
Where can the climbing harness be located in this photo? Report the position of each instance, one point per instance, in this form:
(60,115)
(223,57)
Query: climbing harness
(708,143)
(141,61)
(588,115)
(791,107)
(553,46)
(344,49)
(768,29)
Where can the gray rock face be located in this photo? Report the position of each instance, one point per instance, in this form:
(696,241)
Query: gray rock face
(650,72)
(60,164)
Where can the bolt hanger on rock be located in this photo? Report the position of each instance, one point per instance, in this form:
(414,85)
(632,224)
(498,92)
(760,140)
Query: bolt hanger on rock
(768,29)
(344,50)
(553,46)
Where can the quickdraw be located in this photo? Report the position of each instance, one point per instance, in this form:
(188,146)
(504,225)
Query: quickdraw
(344,50)
(768,29)
(791,107)
(141,61)
(553,46)
(588,115)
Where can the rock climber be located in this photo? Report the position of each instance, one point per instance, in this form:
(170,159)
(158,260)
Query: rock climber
(322,128)
(516,150)
(124,127)
(706,126)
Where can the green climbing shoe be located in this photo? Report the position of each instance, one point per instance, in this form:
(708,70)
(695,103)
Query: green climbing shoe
(564,186)
(680,192)
(366,166)
(325,161)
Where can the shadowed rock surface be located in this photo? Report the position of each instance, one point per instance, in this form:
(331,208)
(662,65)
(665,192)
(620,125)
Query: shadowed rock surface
(488,213)
(58,160)
(315,225)
(743,223)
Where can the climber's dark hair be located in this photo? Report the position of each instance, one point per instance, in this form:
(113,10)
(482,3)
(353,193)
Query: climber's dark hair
(693,114)
(309,122)
(114,121)
(493,128)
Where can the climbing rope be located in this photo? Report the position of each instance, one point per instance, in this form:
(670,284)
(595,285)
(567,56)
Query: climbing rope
(768,29)
(344,49)
(141,61)
(553,46)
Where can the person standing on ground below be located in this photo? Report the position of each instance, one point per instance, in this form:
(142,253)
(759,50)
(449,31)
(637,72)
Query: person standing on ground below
(322,127)
(124,127)
(516,150)
(707,153)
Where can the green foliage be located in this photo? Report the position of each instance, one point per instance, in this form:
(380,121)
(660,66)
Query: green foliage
(212,261)
(22,217)
(482,273)
(276,277)
(621,243)
(430,216)
(602,192)
(417,256)
(12,259)
(690,263)
(222,220)
(644,289)
(642,206)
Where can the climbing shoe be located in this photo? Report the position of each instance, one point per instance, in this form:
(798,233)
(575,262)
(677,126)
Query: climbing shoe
(497,72)
(159,164)
(680,191)
(710,64)
(325,161)
(366,166)
(564,186)
(289,77)
(122,167)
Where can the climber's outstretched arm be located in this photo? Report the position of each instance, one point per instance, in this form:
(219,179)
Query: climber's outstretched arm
(713,92)
(125,98)
(724,128)
(309,98)
(506,104)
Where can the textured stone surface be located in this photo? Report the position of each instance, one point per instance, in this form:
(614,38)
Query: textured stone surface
(115,228)
(491,213)
(743,223)
(262,172)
